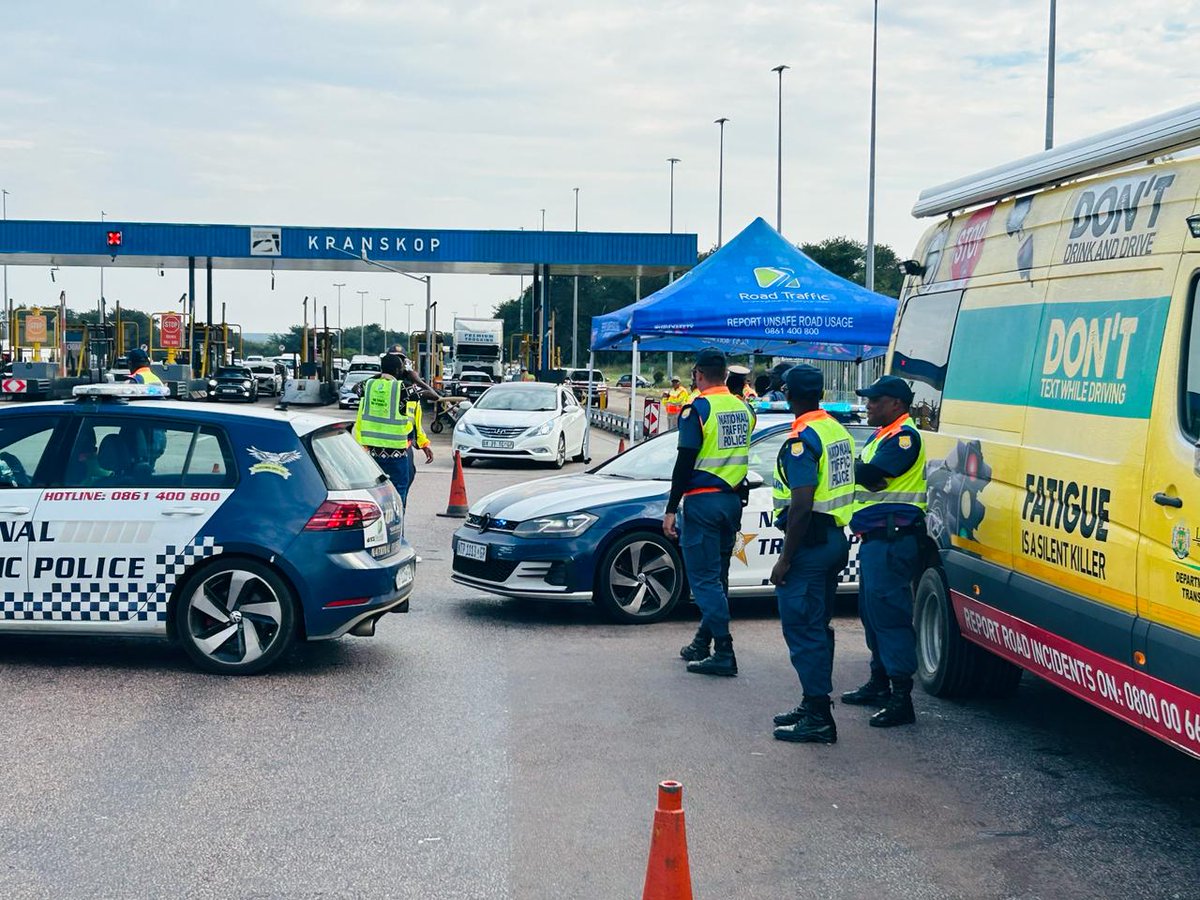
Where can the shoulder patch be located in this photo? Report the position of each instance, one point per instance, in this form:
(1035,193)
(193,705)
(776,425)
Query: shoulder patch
(797,448)
(905,442)
(687,411)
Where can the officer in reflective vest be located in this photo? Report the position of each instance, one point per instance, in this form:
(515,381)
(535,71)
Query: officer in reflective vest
(889,518)
(813,497)
(674,401)
(383,424)
(419,440)
(139,368)
(709,479)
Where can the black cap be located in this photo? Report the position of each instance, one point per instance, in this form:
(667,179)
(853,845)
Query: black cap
(710,356)
(889,386)
(803,381)
(137,358)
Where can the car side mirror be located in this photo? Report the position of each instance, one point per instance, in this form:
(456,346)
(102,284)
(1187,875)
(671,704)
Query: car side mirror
(465,405)
(754,480)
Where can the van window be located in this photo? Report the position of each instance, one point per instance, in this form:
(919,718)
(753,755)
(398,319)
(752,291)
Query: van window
(923,349)
(1189,400)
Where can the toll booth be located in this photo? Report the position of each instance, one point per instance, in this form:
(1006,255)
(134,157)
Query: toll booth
(314,383)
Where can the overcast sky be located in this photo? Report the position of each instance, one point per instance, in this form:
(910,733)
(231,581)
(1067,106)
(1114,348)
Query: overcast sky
(415,114)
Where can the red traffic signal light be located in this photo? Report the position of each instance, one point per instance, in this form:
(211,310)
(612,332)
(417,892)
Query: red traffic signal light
(114,239)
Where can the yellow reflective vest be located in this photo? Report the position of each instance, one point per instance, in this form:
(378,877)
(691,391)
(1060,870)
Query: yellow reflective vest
(834,493)
(383,419)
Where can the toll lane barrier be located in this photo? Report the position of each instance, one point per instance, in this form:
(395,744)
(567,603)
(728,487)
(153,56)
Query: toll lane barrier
(617,424)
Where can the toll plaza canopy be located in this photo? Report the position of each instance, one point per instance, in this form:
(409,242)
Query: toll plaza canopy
(280,248)
(757,294)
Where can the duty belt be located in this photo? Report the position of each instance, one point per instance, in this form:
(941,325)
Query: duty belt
(891,534)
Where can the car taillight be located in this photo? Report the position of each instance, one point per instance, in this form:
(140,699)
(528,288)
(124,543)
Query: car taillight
(340,515)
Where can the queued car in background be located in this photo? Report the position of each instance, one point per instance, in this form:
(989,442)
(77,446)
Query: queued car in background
(233,383)
(579,379)
(471,385)
(626,380)
(598,535)
(350,390)
(525,420)
(270,377)
(233,532)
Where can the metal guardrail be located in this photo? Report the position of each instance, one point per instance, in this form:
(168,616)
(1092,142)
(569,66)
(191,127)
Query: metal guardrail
(615,423)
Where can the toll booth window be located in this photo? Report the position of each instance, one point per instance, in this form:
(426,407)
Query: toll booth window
(23,447)
(923,349)
(1189,400)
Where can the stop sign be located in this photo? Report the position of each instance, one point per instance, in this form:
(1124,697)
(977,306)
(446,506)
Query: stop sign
(170,329)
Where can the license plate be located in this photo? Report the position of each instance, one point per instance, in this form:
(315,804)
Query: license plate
(472,550)
(230,390)
(404,576)
(497,445)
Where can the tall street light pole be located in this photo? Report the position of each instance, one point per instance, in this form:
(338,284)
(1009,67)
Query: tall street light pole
(339,287)
(575,302)
(385,301)
(362,321)
(779,160)
(720,179)
(671,222)
(869,266)
(100,302)
(543,219)
(408,330)
(1050,81)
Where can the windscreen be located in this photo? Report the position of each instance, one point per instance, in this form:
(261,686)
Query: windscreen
(522,400)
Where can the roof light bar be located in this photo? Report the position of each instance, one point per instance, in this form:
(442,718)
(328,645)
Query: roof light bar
(122,391)
(1158,135)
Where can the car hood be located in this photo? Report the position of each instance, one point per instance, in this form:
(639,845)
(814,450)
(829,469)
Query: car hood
(506,418)
(562,494)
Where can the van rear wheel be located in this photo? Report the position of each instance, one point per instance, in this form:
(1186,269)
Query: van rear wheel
(948,665)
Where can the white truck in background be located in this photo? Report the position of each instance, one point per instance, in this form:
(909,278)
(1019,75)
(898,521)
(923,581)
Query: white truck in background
(478,347)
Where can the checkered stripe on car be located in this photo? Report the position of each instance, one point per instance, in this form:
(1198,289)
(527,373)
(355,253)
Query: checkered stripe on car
(112,601)
(849,575)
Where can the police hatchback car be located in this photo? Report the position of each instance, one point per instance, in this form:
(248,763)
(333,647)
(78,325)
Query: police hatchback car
(234,533)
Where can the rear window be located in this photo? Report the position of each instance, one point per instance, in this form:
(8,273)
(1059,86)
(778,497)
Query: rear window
(344,464)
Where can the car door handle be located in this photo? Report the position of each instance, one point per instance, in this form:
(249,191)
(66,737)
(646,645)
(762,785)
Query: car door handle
(1166,500)
(185,511)
(14,510)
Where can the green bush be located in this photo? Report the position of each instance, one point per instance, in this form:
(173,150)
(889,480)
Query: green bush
(659,375)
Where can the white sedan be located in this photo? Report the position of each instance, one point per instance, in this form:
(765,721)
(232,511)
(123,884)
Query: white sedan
(523,420)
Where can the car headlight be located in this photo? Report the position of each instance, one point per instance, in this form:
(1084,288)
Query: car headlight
(545,428)
(566,525)
(245,384)
(466,428)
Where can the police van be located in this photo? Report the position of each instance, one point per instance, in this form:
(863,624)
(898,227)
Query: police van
(1048,326)
(233,533)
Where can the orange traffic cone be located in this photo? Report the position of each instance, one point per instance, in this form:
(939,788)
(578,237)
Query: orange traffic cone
(457,507)
(621,447)
(667,873)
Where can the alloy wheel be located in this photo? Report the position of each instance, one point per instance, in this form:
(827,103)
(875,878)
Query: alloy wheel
(643,578)
(234,617)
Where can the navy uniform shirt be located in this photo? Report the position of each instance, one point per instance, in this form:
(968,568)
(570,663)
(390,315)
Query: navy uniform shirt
(800,460)
(892,458)
(691,437)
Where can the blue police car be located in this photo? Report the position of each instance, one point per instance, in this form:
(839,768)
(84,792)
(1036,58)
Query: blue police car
(598,536)
(234,533)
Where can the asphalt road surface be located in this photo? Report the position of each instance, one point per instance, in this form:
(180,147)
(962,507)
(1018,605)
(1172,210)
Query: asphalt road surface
(488,748)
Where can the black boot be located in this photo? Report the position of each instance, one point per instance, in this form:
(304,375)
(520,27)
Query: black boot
(790,718)
(875,692)
(722,661)
(698,649)
(899,709)
(815,725)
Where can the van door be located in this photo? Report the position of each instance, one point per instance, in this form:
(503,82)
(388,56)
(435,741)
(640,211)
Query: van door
(1169,561)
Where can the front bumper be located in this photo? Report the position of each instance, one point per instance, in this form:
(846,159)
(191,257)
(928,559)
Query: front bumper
(543,447)
(229,392)
(548,569)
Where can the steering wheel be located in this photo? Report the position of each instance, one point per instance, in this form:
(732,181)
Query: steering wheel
(16,476)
